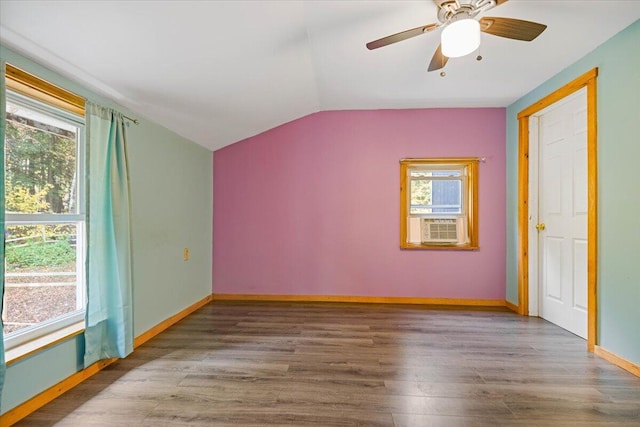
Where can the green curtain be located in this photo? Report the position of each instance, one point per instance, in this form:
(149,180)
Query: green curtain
(3,106)
(109,316)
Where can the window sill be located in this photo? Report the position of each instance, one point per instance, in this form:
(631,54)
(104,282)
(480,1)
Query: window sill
(22,351)
(439,247)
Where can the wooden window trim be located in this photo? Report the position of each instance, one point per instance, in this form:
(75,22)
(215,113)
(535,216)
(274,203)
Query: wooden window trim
(471,214)
(27,84)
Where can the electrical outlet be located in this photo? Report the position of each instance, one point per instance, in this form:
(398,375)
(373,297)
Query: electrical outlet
(186,254)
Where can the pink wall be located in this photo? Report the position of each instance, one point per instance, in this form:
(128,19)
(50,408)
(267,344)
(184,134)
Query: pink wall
(312,207)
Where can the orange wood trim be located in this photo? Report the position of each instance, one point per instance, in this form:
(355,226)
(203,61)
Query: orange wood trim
(474,196)
(413,246)
(523,215)
(471,163)
(617,360)
(359,299)
(21,411)
(438,160)
(557,95)
(403,204)
(160,327)
(30,85)
(512,307)
(592,214)
(587,80)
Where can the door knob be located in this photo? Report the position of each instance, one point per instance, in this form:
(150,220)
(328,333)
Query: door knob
(540,226)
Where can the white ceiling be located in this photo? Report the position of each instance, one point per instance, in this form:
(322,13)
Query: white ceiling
(217,72)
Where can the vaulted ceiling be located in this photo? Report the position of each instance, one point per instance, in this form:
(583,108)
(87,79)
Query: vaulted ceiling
(217,72)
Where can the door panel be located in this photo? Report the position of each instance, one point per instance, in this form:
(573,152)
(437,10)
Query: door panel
(563,209)
(580,194)
(580,274)
(553,270)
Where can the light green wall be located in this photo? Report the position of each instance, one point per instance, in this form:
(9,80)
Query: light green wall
(618,87)
(171,192)
(171,197)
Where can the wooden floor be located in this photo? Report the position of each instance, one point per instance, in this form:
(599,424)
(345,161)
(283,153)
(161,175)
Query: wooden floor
(298,364)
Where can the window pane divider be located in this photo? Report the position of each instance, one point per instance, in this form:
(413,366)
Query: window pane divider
(437,178)
(42,218)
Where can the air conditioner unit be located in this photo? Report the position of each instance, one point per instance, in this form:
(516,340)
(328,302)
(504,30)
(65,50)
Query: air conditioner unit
(442,230)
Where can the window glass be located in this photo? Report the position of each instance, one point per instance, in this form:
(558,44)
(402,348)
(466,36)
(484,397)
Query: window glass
(436,196)
(40,162)
(41,278)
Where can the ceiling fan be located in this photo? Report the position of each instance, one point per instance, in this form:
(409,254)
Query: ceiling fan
(461,31)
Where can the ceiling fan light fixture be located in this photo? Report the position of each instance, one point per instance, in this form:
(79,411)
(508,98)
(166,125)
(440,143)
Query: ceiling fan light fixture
(460,38)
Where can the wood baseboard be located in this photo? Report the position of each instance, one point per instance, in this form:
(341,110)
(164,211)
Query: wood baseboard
(24,409)
(512,307)
(360,299)
(146,336)
(617,360)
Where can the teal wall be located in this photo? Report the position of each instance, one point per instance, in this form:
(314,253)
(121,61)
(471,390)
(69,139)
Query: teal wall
(618,87)
(171,197)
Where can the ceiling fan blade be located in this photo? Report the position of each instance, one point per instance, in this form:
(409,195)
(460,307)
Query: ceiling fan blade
(499,2)
(398,37)
(511,28)
(439,60)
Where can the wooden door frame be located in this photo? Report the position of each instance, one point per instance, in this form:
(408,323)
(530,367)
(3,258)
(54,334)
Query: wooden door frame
(587,80)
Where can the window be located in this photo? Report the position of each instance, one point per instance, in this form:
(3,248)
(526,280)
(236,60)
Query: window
(439,203)
(44,209)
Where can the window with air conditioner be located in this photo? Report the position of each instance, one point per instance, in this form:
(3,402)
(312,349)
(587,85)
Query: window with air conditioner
(438,203)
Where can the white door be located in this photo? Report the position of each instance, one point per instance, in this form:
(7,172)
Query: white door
(562,213)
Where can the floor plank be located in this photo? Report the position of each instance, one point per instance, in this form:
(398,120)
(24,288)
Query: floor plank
(329,364)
